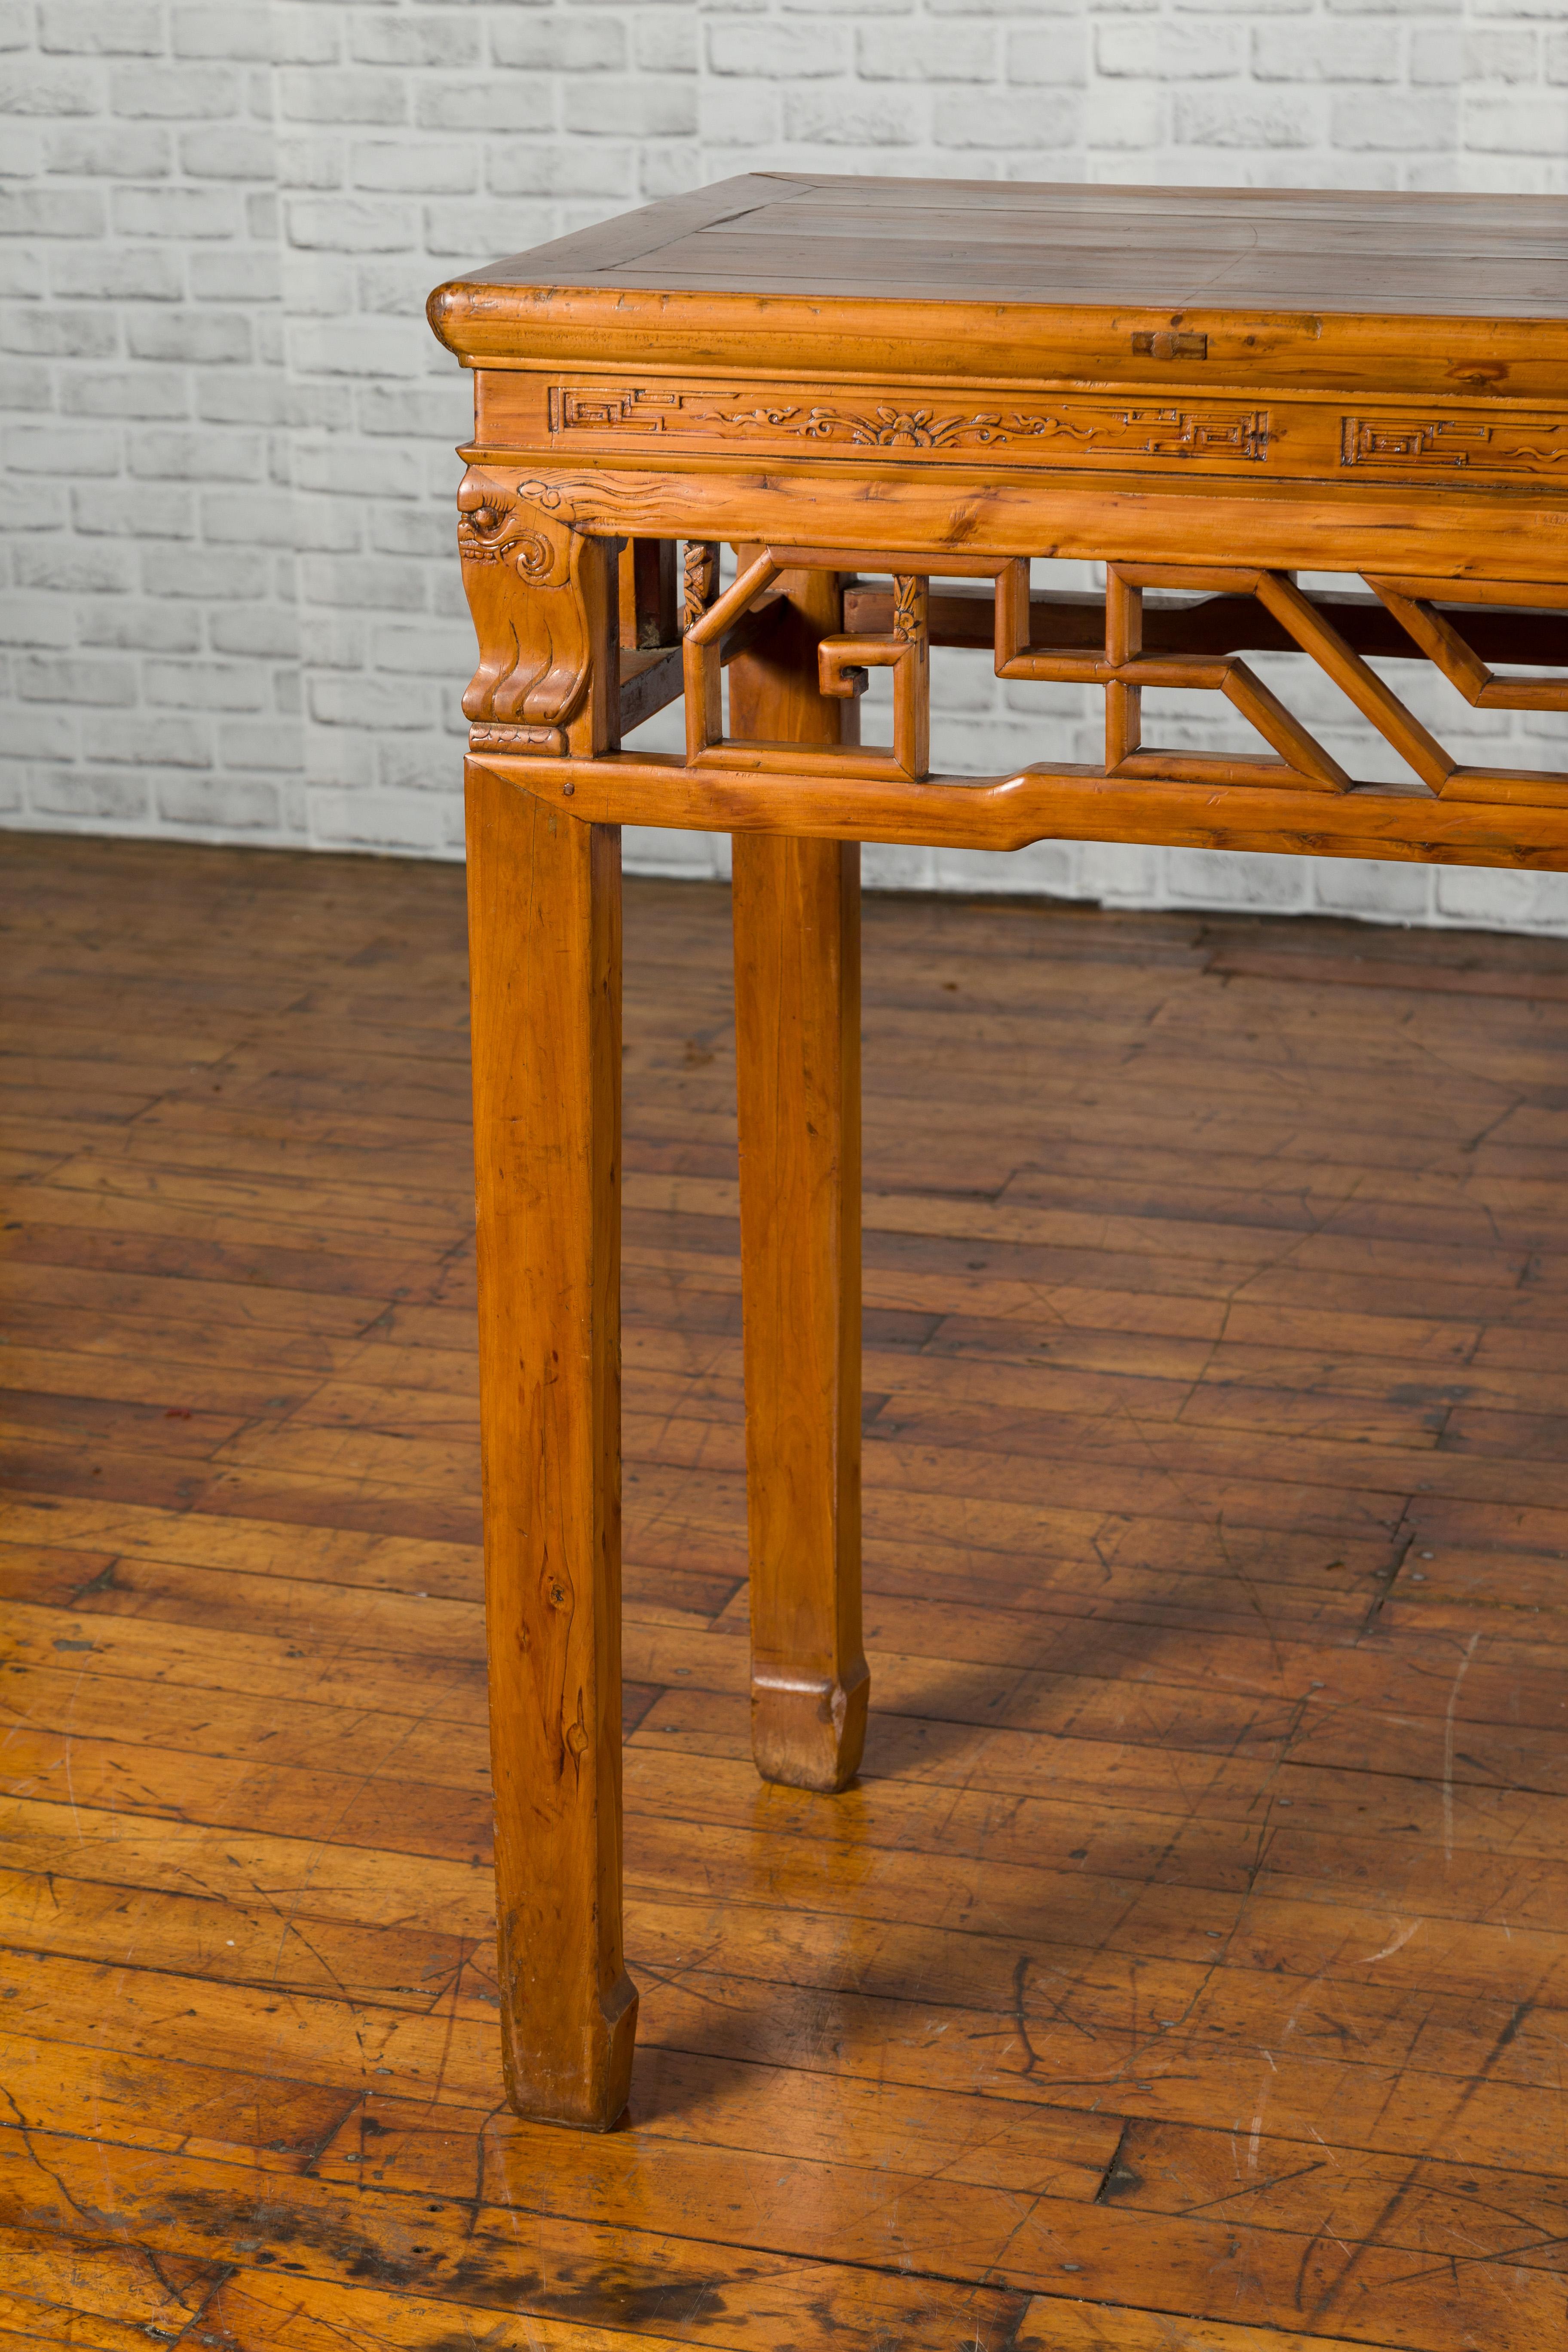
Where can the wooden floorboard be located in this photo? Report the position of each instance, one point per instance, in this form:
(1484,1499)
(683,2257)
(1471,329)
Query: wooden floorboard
(1188,1970)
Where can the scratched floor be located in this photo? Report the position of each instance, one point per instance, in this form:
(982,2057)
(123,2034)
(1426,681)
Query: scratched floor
(1189,1970)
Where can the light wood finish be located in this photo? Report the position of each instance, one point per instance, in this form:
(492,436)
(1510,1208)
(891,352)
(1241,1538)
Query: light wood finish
(1454,530)
(1187,1971)
(797,1015)
(1218,625)
(1274,424)
(1442,641)
(935,387)
(545,918)
(900,284)
(1143,542)
(1075,804)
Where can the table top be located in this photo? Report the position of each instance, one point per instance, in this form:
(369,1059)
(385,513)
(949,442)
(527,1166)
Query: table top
(995,279)
(968,240)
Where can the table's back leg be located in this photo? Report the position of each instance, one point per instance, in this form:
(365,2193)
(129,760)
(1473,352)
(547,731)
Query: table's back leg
(797,1013)
(545,958)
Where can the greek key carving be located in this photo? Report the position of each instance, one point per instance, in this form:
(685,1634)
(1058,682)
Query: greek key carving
(1403,445)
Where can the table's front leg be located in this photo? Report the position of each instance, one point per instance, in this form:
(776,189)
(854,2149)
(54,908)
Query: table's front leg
(797,1015)
(545,949)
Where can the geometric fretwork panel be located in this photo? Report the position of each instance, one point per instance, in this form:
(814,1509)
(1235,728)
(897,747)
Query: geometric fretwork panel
(1122,666)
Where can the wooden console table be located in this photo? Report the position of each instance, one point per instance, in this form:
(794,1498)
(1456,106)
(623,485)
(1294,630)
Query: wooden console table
(867,387)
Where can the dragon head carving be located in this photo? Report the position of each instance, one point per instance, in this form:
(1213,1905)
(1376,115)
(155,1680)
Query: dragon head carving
(497,522)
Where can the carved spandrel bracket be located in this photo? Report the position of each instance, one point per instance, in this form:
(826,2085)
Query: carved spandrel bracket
(523,572)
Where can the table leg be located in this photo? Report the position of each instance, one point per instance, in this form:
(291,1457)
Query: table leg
(545,898)
(797,1013)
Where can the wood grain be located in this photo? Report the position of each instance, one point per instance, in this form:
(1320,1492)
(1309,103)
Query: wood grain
(544,911)
(1014,285)
(1187,1969)
(1223,540)
(797,1015)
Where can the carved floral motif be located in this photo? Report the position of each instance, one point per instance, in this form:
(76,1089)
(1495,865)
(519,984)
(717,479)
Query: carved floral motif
(699,580)
(885,428)
(910,607)
(1109,426)
(1141,432)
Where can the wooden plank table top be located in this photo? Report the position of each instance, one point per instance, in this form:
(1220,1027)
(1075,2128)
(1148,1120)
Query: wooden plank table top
(1279,279)
(886,404)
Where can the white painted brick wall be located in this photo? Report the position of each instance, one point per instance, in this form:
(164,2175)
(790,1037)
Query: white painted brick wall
(230,606)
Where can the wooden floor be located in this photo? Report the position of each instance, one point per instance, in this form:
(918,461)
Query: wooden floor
(1216,1409)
